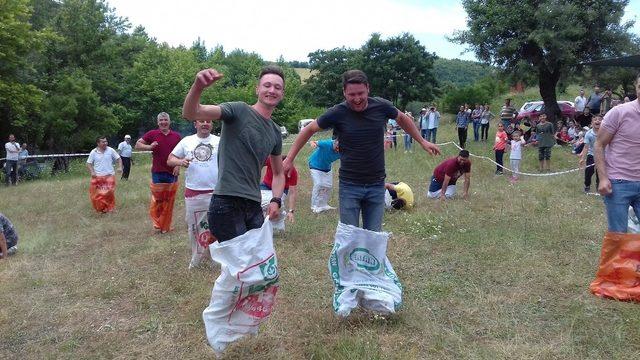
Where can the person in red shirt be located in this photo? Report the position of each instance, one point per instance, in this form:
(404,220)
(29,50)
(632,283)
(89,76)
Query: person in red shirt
(446,175)
(563,137)
(290,186)
(161,142)
(499,145)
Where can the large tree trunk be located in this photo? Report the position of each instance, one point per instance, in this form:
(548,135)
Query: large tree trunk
(548,80)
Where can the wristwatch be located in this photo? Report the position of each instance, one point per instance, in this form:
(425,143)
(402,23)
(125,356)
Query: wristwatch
(291,211)
(276,200)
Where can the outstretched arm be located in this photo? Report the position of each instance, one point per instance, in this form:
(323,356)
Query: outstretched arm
(406,123)
(301,139)
(293,195)
(467,184)
(192,109)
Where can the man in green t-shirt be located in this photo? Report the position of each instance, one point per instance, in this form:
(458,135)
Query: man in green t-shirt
(248,136)
(546,140)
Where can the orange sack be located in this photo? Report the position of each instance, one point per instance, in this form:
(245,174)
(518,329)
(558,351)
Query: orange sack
(102,193)
(618,275)
(161,208)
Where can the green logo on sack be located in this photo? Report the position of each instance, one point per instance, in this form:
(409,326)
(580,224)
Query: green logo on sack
(364,259)
(269,269)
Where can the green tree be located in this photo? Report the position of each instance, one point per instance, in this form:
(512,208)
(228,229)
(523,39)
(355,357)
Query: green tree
(20,99)
(324,87)
(399,69)
(548,36)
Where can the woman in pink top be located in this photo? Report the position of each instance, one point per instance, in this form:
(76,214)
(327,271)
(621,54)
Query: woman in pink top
(499,145)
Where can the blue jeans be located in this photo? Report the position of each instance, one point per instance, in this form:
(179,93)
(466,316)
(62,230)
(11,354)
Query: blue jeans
(424,133)
(431,135)
(476,130)
(625,193)
(163,178)
(407,142)
(365,198)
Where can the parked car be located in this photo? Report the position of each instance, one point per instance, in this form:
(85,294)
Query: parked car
(536,108)
(284,132)
(303,123)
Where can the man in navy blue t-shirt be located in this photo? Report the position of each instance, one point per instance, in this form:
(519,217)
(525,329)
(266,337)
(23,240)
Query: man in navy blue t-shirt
(359,123)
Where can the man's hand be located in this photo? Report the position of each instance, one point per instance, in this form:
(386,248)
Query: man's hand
(314,144)
(206,78)
(185,162)
(465,195)
(176,171)
(273,211)
(443,197)
(153,145)
(287,166)
(290,217)
(93,174)
(119,170)
(431,148)
(604,188)
(581,163)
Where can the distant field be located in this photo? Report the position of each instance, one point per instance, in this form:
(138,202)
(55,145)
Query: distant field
(303,73)
(502,276)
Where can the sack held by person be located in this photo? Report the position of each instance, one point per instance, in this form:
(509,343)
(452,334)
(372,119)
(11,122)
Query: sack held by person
(102,193)
(617,275)
(163,195)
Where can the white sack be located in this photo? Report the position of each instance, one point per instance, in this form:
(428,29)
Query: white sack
(321,192)
(199,235)
(243,296)
(361,272)
(634,224)
(267,195)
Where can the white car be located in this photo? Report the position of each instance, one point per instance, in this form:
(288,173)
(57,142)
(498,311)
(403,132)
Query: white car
(304,122)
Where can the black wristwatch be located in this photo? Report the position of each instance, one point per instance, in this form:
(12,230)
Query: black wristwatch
(276,200)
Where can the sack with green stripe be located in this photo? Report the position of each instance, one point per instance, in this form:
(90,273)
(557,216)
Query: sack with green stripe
(361,272)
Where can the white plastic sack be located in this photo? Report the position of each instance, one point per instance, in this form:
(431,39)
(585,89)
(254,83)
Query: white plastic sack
(634,224)
(267,195)
(321,192)
(244,294)
(361,272)
(199,235)
(387,199)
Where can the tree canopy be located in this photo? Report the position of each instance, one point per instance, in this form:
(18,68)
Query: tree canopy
(549,37)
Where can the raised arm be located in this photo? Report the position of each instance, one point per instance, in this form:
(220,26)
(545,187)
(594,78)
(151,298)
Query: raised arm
(192,109)
(406,123)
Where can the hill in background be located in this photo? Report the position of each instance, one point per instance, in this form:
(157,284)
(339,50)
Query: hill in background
(459,72)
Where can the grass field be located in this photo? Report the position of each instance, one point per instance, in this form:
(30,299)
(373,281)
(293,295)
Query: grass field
(502,276)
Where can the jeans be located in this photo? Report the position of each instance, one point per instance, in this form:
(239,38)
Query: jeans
(407,142)
(232,216)
(625,193)
(499,156)
(163,178)
(424,133)
(589,171)
(484,131)
(126,167)
(431,135)
(462,136)
(365,198)
(11,172)
(476,130)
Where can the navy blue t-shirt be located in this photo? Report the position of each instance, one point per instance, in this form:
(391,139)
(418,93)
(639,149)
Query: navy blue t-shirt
(361,138)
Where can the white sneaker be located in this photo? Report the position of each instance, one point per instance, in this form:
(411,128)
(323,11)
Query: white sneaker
(12,250)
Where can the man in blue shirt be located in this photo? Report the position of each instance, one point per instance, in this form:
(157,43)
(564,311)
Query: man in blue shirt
(325,153)
(462,122)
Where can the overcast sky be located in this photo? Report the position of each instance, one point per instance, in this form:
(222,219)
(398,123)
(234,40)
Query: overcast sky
(293,29)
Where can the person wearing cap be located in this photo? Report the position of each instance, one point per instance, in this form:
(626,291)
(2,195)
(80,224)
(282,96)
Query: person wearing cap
(445,176)
(433,121)
(125,151)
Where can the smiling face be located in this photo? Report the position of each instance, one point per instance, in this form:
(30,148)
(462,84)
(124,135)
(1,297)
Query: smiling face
(164,124)
(595,122)
(270,90)
(356,96)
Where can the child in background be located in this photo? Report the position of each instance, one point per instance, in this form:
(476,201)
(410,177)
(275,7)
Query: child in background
(499,145)
(388,138)
(533,138)
(562,136)
(516,154)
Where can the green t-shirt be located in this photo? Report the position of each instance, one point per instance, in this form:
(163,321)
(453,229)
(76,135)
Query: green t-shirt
(545,134)
(246,140)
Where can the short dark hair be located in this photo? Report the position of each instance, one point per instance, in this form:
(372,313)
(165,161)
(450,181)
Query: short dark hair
(271,69)
(100,138)
(464,154)
(398,203)
(354,77)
